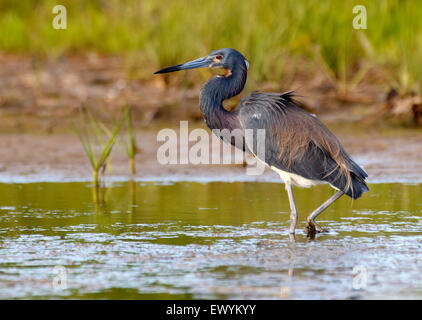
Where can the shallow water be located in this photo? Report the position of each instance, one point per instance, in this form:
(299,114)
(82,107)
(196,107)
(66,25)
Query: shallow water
(206,240)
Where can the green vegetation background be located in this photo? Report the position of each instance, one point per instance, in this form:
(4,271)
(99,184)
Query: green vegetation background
(151,34)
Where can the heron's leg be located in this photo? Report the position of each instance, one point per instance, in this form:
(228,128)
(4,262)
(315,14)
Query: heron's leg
(312,225)
(293,211)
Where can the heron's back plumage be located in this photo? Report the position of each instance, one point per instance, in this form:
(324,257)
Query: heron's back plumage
(298,142)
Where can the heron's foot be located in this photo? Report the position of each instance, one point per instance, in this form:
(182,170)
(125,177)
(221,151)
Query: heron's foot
(312,227)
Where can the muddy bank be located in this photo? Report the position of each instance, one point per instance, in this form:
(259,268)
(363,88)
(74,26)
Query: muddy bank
(40,94)
(387,157)
(39,97)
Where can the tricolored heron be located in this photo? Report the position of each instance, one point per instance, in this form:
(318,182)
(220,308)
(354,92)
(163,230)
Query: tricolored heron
(298,146)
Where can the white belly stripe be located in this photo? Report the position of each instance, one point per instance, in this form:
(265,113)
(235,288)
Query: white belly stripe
(292,178)
(295,179)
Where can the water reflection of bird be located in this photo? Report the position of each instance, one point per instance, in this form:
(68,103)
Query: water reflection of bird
(298,146)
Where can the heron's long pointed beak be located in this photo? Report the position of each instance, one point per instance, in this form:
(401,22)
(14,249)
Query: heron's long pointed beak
(198,63)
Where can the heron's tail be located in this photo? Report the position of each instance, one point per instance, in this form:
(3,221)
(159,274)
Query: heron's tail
(354,185)
(357,188)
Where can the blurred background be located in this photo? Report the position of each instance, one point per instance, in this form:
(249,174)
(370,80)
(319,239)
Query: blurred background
(108,53)
(146,230)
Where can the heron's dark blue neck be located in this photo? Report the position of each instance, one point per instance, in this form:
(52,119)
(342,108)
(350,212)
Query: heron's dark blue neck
(215,91)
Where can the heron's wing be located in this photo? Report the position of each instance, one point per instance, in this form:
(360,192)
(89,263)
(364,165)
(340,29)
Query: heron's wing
(296,141)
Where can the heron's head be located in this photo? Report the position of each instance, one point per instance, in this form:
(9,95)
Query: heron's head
(228,59)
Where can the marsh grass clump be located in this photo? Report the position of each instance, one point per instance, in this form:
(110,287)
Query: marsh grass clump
(128,143)
(97,141)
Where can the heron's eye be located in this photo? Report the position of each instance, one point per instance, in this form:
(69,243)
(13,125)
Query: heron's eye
(219,57)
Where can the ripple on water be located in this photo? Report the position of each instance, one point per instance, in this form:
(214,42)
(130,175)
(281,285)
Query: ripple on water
(173,243)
